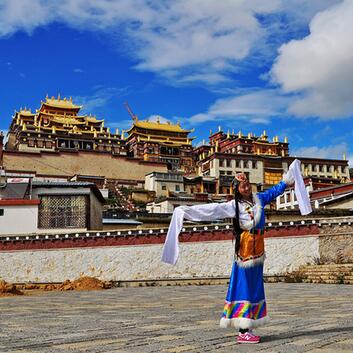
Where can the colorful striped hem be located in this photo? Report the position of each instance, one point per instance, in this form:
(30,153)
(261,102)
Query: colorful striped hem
(244,310)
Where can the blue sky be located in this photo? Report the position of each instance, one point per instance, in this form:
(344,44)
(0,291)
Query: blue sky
(281,66)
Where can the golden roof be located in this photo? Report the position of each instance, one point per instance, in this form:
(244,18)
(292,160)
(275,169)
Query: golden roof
(70,121)
(61,103)
(26,112)
(151,125)
(93,120)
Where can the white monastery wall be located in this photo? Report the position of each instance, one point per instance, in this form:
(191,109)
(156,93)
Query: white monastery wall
(142,262)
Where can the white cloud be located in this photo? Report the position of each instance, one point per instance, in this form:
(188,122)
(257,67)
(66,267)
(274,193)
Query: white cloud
(254,107)
(198,40)
(100,98)
(5,132)
(208,42)
(319,68)
(329,152)
(155,118)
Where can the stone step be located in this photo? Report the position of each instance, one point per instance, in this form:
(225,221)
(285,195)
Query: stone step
(328,281)
(332,267)
(330,274)
(325,273)
(348,278)
(326,277)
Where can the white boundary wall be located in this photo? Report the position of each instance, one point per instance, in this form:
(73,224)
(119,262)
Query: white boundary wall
(142,262)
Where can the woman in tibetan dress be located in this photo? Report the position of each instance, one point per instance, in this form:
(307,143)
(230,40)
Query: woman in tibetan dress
(245,304)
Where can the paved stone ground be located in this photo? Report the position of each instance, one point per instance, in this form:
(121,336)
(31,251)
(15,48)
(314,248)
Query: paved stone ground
(305,318)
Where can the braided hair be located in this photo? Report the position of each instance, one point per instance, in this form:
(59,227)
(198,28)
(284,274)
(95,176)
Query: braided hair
(238,178)
(236,224)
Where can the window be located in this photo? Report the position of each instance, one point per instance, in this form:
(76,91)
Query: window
(177,187)
(1,211)
(164,187)
(63,211)
(229,172)
(229,163)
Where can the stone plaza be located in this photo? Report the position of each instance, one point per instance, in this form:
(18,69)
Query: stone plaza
(304,318)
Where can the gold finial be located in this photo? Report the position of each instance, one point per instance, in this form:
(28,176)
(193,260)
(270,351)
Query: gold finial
(47,97)
(138,138)
(344,156)
(286,139)
(232,131)
(71,99)
(108,130)
(117,131)
(210,132)
(240,134)
(58,96)
(53,129)
(123,134)
(158,121)
(219,128)
(264,133)
(228,134)
(52,98)
(94,133)
(203,142)
(249,135)
(24,126)
(217,145)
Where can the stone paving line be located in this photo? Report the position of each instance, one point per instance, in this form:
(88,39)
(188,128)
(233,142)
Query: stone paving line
(304,318)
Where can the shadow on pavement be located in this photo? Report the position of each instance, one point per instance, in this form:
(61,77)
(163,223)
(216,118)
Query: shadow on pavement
(289,335)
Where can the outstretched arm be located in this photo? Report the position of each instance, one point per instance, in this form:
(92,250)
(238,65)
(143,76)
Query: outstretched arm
(207,212)
(270,194)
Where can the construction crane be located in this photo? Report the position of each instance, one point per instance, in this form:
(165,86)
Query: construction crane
(133,116)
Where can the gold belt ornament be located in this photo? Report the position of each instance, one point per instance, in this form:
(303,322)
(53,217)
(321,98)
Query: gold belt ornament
(251,245)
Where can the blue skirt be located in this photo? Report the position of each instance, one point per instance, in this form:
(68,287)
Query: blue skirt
(245,304)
